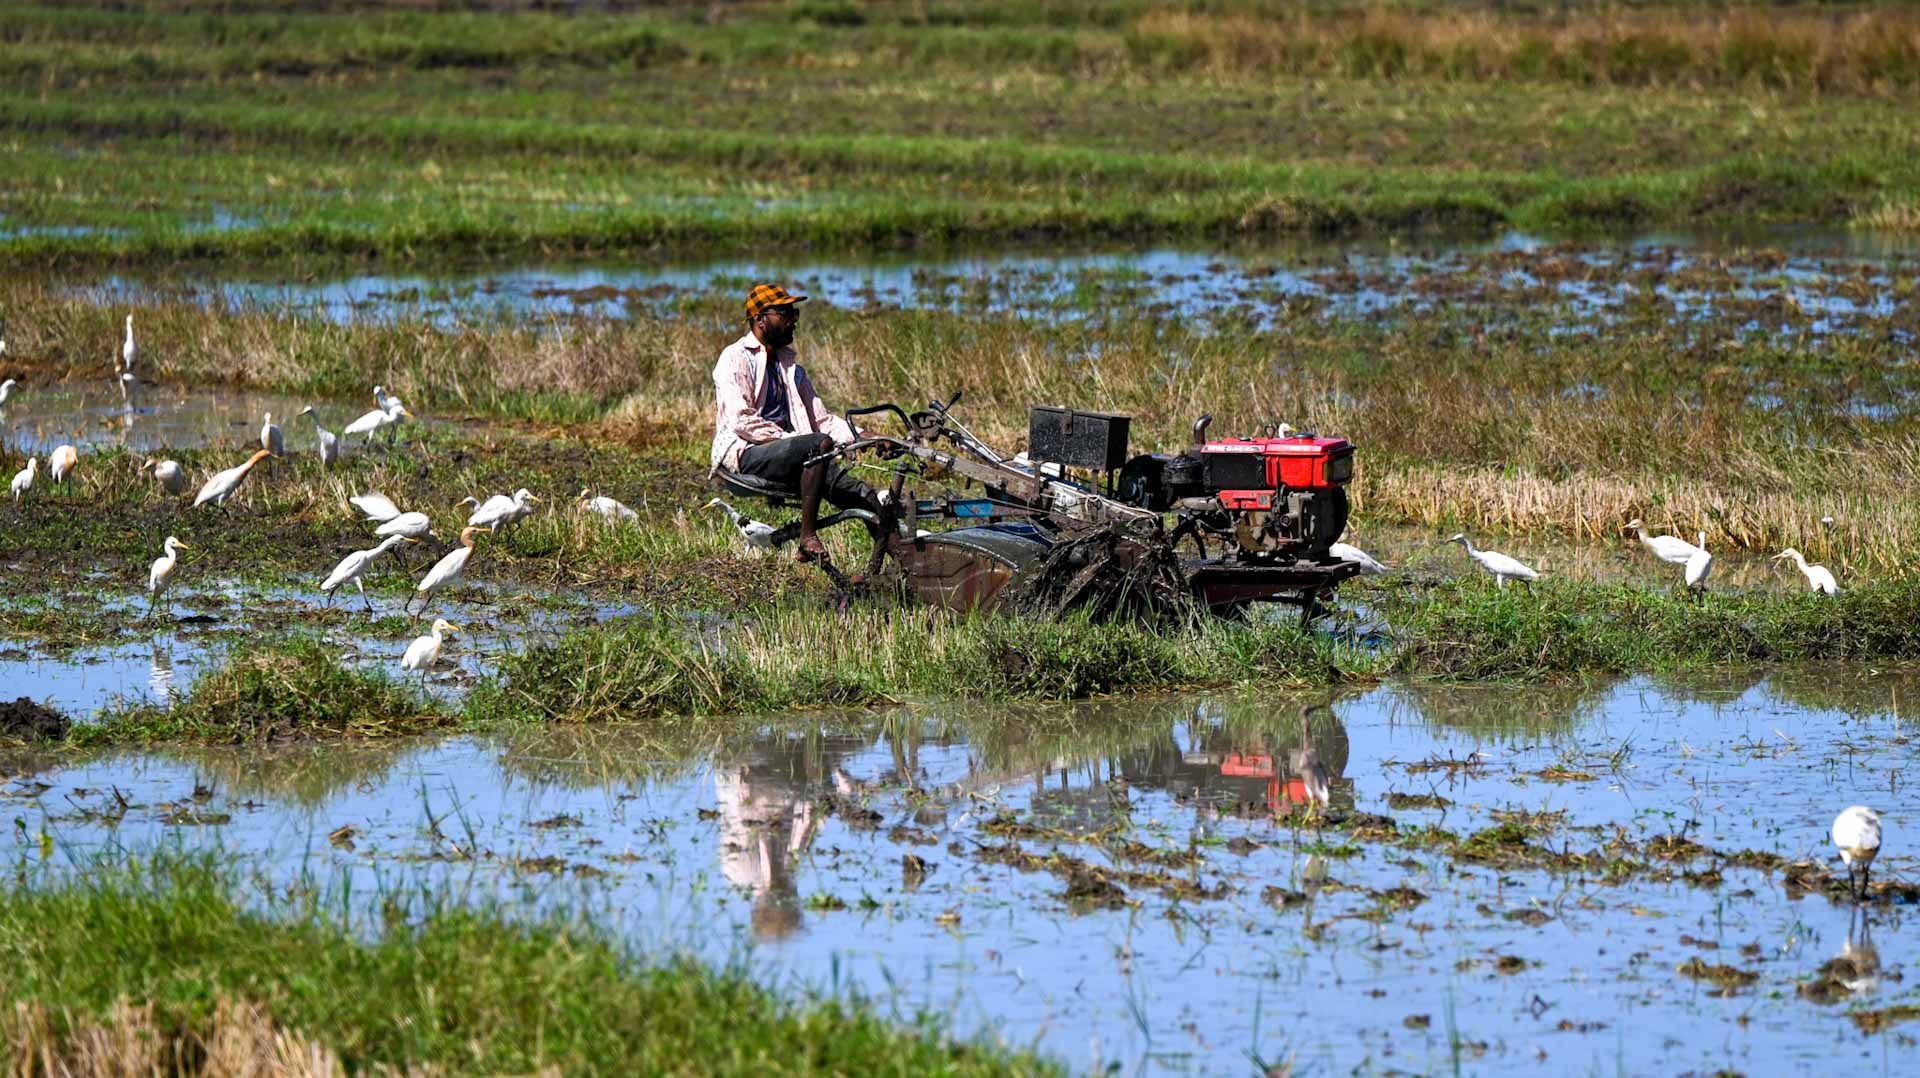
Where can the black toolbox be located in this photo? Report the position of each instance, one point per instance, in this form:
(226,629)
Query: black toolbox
(1077,439)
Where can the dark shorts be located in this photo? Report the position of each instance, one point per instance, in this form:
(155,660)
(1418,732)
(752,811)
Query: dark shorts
(782,462)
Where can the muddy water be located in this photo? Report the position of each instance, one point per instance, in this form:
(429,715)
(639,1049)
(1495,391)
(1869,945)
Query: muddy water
(150,418)
(1816,282)
(1143,888)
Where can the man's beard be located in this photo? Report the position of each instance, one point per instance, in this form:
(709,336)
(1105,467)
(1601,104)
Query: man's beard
(779,337)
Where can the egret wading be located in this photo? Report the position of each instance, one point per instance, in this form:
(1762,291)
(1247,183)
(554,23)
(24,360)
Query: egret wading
(129,351)
(757,533)
(221,487)
(1502,567)
(1818,578)
(353,566)
(1349,552)
(445,571)
(161,574)
(168,473)
(1857,832)
(270,438)
(1670,548)
(329,445)
(424,652)
(23,479)
(1699,564)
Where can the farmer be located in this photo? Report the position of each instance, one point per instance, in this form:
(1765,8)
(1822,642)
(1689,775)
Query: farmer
(768,421)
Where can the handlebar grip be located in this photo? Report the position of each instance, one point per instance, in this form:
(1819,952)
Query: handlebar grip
(871,409)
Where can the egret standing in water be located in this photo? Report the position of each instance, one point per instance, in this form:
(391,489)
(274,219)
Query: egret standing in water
(424,652)
(1818,578)
(1502,567)
(353,566)
(23,479)
(270,437)
(1699,564)
(129,351)
(1669,548)
(1857,832)
(162,572)
(221,487)
(329,445)
(446,570)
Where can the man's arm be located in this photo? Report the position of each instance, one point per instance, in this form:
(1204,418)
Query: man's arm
(824,421)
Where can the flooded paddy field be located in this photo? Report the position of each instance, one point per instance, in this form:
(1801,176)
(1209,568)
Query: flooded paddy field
(1625,876)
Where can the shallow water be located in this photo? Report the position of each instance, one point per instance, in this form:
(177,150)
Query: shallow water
(1247,932)
(1790,280)
(96,415)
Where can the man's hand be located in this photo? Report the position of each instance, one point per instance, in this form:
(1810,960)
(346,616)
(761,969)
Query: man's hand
(888,450)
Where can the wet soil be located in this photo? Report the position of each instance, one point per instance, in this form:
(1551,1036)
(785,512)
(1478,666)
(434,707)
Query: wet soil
(28,720)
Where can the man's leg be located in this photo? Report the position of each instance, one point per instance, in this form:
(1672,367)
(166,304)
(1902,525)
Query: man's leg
(813,483)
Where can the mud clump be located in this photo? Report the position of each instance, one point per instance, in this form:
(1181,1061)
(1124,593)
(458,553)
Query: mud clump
(1875,1021)
(1404,802)
(1726,979)
(29,720)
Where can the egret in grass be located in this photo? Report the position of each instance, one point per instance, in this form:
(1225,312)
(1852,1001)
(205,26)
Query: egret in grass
(602,505)
(1349,552)
(353,565)
(270,437)
(129,351)
(329,445)
(1699,564)
(374,420)
(386,401)
(1669,548)
(1502,567)
(424,652)
(221,487)
(757,533)
(446,570)
(407,526)
(23,479)
(377,506)
(1818,578)
(168,473)
(60,464)
(161,574)
(1857,832)
(499,511)
(6,389)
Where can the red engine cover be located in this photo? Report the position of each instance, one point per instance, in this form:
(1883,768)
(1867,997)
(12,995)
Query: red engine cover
(1299,463)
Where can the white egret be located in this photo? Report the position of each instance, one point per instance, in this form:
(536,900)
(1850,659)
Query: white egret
(1699,564)
(353,565)
(1857,832)
(386,401)
(60,464)
(1818,578)
(407,526)
(171,477)
(757,533)
(23,479)
(377,506)
(329,445)
(270,438)
(128,350)
(446,570)
(424,652)
(499,511)
(374,420)
(1669,548)
(1349,552)
(162,572)
(221,487)
(605,506)
(6,388)
(1500,565)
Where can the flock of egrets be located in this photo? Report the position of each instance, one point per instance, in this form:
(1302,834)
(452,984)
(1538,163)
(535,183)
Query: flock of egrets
(395,527)
(1693,558)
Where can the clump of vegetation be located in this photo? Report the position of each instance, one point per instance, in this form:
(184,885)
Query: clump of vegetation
(197,981)
(286,691)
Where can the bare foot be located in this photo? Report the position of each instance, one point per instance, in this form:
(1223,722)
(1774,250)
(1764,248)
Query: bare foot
(810,549)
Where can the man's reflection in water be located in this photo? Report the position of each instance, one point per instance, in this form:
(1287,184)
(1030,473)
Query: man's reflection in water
(766,797)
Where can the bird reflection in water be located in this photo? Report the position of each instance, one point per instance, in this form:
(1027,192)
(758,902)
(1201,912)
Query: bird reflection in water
(160,673)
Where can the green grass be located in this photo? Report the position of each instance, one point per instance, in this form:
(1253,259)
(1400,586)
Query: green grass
(167,133)
(467,989)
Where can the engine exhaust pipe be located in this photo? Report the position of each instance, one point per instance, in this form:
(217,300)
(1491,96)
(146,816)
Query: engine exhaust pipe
(1200,428)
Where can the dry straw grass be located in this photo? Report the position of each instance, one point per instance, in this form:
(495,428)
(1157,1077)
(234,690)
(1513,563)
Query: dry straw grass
(240,1040)
(1862,52)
